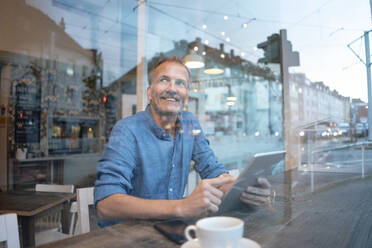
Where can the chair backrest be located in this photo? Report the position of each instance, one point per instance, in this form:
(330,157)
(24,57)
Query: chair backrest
(54,188)
(9,230)
(73,211)
(53,219)
(84,199)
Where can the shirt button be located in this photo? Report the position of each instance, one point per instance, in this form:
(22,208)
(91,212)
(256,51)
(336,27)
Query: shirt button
(171,190)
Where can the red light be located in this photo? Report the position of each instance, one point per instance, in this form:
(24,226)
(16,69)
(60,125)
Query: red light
(104,99)
(21,115)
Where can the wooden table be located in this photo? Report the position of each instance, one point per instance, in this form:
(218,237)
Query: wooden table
(336,216)
(28,205)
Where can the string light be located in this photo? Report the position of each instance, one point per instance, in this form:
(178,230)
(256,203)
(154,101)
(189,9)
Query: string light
(206,42)
(197,28)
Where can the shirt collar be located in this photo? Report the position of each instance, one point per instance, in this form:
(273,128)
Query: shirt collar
(158,131)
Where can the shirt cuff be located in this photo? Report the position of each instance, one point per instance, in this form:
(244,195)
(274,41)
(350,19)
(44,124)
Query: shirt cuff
(101,192)
(216,173)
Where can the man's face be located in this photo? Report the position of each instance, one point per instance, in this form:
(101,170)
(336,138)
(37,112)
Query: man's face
(168,92)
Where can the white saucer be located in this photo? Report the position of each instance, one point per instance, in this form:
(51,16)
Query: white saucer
(244,243)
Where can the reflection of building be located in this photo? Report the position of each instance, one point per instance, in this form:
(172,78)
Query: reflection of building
(49,87)
(244,99)
(313,102)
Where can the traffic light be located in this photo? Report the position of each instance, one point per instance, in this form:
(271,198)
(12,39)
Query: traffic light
(271,49)
(292,58)
(278,50)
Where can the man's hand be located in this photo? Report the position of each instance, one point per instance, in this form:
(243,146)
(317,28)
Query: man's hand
(257,196)
(226,187)
(205,198)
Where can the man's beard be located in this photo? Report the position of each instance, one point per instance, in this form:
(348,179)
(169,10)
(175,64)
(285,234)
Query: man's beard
(161,112)
(157,107)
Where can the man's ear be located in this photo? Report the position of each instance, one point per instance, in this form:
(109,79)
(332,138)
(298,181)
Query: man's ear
(149,93)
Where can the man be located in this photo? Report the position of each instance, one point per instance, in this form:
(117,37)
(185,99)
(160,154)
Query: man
(144,168)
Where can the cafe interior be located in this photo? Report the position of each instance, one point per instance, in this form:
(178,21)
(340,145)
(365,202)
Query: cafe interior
(70,70)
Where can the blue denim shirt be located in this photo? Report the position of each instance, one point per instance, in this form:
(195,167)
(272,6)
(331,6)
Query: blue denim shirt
(142,160)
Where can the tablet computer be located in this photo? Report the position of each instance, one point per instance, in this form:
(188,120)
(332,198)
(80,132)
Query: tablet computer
(260,165)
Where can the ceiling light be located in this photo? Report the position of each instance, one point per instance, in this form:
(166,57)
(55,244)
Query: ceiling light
(204,26)
(213,69)
(194,61)
(231,98)
(223,33)
(228,39)
(245,25)
(226,18)
(70,71)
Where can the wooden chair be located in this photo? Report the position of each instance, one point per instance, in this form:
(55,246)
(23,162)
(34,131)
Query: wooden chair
(51,222)
(9,230)
(84,199)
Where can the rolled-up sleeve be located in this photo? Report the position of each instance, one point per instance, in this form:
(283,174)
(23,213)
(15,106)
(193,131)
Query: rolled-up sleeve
(206,163)
(117,163)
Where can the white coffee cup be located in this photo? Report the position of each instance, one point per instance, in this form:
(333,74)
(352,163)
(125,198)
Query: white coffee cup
(217,232)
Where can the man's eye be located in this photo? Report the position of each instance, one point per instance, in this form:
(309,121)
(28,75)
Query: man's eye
(163,80)
(180,82)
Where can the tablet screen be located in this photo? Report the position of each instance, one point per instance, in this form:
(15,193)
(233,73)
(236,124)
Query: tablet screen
(260,165)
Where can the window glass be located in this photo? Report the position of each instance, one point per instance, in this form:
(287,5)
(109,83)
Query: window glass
(264,76)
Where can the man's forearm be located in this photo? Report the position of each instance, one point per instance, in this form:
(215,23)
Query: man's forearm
(121,206)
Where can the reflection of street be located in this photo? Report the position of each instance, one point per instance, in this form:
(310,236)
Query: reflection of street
(336,157)
(339,215)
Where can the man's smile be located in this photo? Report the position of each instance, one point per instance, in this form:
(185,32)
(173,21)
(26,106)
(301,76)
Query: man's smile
(171,99)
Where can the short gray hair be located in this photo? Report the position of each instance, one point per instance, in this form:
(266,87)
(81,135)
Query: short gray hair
(174,59)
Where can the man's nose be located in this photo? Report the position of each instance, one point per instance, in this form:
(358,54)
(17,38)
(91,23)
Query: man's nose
(172,85)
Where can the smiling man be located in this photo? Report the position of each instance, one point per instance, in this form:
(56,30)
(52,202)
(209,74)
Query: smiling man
(168,92)
(144,168)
